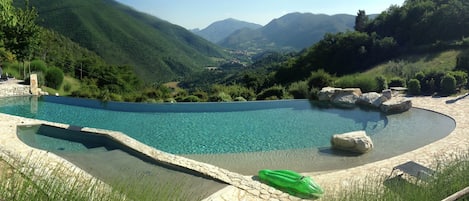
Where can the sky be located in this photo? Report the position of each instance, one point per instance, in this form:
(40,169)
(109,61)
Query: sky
(201,13)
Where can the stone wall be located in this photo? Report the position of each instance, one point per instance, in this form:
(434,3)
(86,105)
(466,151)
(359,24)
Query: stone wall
(8,89)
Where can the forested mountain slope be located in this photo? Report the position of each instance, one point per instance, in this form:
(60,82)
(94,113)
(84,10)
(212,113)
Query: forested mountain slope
(293,31)
(158,50)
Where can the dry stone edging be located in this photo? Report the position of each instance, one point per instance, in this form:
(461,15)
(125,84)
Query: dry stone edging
(351,97)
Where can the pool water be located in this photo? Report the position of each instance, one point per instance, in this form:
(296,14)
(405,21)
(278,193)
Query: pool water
(123,167)
(246,137)
(215,128)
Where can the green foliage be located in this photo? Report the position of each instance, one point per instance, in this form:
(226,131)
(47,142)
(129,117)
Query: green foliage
(233,91)
(67,87)
(347,52)
(462,62)
(239,99)
(421,22)
(461,78)
(450,177)
(190,98)
(365,83)
(202,95)
(220,97)
(420,76)
(38,66)
(272,93)
(361,21)
(414,87)
(397,82)
(23,181)
(54,77)
(381,82)
(320,79)
(448,84)
(432,82)
(21,34)
(125,36)
(299,90)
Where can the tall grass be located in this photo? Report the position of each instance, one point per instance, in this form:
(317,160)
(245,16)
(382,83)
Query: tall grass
(450,177)
(36,180)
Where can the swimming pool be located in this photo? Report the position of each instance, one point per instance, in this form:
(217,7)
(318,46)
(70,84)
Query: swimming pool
(209,128)
(245,137)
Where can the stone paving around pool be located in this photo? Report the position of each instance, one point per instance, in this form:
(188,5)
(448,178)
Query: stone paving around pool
(243,187)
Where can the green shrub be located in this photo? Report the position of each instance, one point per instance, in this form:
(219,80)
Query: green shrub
(320,79)
(38,66)
(67,87)
(299,90)
(420,76)
(381,82)
(461,78)
(272,93)
(54,77)
(220,97)
(191,98)
(234,91)
(365,83)
(202,95)
(414,87)
(448,84)
(313,94)
(462,61)
(397,82)
(240,99)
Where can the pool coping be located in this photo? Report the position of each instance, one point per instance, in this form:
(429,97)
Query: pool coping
(455,143)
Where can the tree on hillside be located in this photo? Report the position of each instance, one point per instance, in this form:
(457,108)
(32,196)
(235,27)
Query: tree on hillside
(7,19)
(361,21)
(21,35)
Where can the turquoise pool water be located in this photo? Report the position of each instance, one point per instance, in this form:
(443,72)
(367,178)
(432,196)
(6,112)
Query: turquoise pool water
(206,128)
(242,137)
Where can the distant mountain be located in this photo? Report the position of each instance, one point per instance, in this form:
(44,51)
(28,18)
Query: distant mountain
(293,31)
(219,30)
(158,50)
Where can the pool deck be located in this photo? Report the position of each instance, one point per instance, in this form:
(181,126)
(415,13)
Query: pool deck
(243,187)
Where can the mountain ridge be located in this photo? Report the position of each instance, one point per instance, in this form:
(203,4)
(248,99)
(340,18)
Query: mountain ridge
(293,31)
(219,30)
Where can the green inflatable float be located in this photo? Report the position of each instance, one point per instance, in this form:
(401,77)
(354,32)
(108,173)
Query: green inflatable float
(291,182)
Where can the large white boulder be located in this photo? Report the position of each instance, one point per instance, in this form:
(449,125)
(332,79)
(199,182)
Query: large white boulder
(371,99)
(341,97)
(396,105)
(345,100)
(356,141)
(327,93)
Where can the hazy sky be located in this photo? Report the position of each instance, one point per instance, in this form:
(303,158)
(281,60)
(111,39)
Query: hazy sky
(201,13)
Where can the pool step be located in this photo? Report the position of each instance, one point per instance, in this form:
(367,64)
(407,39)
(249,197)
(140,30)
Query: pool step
(97,150)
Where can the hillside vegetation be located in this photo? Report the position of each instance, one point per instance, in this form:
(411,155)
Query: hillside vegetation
(157,50)
(436,63)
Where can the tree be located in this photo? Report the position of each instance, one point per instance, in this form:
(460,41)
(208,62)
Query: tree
(7,19)
(54,77)
(22,34)
(361,21)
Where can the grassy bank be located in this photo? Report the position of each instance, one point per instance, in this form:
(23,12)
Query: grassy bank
(24,182)
(450,177)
